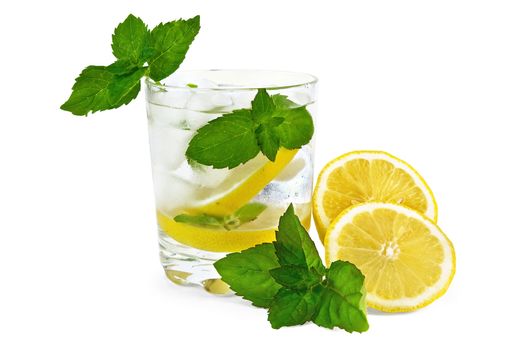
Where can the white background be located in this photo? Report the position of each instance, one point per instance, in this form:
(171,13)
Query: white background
(441,84)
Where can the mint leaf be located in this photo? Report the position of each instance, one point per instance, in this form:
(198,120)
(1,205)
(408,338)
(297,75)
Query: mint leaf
(293,307)
(342,302)
(202,220)
(295,277)
(294,245)
(97,89)
(283,103)
(130,40)
(262,106)
(90,91)
(225,142)
(268,141)
(124,88)
(249,212)
(247,274)
(121,67)
(169,44)
(296,129)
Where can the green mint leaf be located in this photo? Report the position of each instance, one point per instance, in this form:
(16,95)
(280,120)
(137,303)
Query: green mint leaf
(225,142)
(122,67)
(268,141)
(294,245)
(124,88)
(293,307)
(283,103)
(169,45)
(342,303)
(202,220)
(97,89)
(262,106)
(130,40)
(247,273)
(296,129)
(295,277)
(90,91)
(249,212)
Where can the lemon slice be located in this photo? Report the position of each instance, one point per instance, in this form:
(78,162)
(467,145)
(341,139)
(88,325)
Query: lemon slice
(365,176)
(248,188)
(219,240)
(408,262)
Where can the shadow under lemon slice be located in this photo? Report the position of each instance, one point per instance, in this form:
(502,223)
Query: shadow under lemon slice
(221,240)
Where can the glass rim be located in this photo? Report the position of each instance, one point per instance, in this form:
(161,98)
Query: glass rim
(309,79)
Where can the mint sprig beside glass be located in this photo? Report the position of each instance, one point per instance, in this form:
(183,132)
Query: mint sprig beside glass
(139,52)
(288,278)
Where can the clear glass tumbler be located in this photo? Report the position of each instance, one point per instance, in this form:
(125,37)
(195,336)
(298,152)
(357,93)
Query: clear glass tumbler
(176,110)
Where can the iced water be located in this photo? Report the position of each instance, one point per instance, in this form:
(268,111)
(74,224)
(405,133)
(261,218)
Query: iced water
(182,187)
(174,116)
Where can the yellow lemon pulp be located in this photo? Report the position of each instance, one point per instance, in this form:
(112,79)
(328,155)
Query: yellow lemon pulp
(219,240)
(408,262)
(365,176)
(249,187)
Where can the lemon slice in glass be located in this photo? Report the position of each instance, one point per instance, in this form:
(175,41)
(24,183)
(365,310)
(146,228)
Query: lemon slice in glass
(240,193)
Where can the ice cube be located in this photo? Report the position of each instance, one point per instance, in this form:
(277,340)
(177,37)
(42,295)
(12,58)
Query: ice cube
(178,118)
(301,98)
(242,99)
(172,194)
(175,98)
(295,185)
(201,175)
(291,170)
(210,101)
(168,145)
(170,116)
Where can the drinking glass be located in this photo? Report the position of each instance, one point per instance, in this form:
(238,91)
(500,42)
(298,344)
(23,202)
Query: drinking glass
(225,199)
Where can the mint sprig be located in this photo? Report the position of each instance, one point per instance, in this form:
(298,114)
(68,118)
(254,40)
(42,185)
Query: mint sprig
(236,137)
(247,213)
(99,88)
(288,278)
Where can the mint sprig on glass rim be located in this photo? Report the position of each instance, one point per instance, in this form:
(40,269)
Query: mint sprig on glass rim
(139,52)
(235,138)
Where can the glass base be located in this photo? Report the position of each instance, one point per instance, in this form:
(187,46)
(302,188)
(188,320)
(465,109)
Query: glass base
(185,265)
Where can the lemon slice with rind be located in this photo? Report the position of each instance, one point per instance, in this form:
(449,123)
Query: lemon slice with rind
(248,188)
(262,230)
(365,176)
(407,260)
